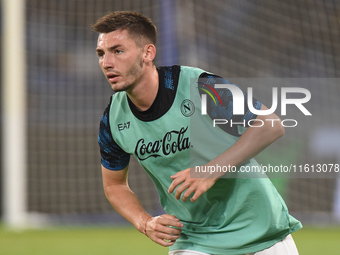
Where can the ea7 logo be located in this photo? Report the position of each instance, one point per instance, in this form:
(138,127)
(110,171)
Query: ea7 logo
(123,126)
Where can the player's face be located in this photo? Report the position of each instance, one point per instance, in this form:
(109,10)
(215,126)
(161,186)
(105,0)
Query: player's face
(120,59)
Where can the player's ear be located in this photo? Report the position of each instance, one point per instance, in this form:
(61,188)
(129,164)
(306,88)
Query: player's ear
(149,53)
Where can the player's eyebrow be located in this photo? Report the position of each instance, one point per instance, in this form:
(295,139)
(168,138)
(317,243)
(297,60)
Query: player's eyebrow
(110,49)
(115,47)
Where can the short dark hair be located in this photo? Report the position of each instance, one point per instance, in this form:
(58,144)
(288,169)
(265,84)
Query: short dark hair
(135,23)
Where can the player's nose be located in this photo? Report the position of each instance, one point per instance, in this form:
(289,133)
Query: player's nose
(107,61)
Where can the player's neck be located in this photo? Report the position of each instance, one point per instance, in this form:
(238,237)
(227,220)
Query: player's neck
(145,92)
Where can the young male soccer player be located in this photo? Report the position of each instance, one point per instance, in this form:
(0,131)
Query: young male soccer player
(149,117)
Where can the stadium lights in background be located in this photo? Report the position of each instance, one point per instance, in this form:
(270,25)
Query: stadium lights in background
(13,115)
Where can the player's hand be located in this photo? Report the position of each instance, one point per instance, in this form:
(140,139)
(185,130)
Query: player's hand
(161,229)
(183,182)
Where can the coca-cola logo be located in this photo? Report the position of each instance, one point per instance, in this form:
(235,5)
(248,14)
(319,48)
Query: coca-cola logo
(172,142)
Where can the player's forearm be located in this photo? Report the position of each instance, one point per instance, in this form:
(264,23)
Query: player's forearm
(254,140)
(127,204)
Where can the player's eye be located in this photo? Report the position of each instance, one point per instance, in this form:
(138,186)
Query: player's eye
(100,54)
(119,51)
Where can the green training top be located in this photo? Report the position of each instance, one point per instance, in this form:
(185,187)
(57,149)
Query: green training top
(237,215)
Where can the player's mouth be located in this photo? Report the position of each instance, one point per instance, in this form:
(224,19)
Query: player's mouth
(112,77)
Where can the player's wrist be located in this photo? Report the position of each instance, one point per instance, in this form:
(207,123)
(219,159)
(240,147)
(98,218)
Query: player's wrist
(145,225)
(140,224)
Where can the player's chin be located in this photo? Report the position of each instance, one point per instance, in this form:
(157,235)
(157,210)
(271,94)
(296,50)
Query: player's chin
(117,87)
